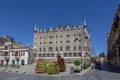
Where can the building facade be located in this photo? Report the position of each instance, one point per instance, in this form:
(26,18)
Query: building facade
(15,53)
(113,55)
(71,42)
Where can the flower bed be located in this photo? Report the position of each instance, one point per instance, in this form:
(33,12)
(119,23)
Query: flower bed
(61,64)
(41,66)
(53,68)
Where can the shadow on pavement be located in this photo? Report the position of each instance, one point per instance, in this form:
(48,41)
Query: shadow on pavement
(110,68)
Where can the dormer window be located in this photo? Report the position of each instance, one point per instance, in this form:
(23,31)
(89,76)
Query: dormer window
(61,29)
(51,30)
(75,28)
(67,28)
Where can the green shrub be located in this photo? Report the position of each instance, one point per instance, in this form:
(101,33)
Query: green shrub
(86,65)
(77,62)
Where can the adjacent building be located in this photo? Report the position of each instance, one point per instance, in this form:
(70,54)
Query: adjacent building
(113,55)
(70,41)
(15,53)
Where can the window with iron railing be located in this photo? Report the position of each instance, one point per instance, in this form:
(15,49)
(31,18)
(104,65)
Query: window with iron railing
(65,54)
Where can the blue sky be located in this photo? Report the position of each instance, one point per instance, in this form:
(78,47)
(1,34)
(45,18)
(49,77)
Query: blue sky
(18,17)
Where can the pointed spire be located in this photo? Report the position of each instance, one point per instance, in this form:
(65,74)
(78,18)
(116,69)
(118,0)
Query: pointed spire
(84,23)
(35,29)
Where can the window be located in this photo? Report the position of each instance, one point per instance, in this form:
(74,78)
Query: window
(74,48)
(56,48)
(56,42)
(22,54)
(67,41)
(84,48)
(79,40)
(65,54)
(67,35)
(79,48)
(52,54)
(44,55)
(40,43)
(40,50)
(67,48)
(75,35)
(70,54)
(50,36)
(6,47)
(48,55)
(50,49)
(79,35)
(61,36)
(40,55)
(56,36)
(61,42)
(12,54)
(74,54)
(79,54)
(50,42)
(61,48)
(44,43)
(40,37)
(44,37)
(44,49)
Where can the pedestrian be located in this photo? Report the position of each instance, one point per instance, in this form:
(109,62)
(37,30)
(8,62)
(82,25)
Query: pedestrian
(92,65)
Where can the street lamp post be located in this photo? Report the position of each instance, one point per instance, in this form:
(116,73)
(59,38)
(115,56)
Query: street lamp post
(82,44)
(17,58)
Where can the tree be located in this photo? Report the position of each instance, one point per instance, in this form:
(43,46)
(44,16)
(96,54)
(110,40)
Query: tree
(93,59)
(102,54)
(76,63)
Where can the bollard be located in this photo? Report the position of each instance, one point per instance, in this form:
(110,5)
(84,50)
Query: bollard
(71,70)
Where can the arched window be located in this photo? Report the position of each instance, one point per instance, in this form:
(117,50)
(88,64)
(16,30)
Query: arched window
(50,49)
(67,48)
(79,48)
(74,48)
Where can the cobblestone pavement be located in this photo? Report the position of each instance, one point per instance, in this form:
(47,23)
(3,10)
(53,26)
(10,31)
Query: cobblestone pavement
(89,74)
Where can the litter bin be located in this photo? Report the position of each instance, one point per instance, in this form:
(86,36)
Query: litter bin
(71,70)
